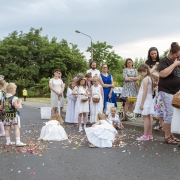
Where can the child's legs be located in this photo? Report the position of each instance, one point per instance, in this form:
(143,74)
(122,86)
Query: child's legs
(61,111)
(16,130)
(54,110)
(7,131)
(84,118)
(147,124)
(79,119)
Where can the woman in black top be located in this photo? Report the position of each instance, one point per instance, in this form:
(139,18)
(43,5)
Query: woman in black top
(169,84)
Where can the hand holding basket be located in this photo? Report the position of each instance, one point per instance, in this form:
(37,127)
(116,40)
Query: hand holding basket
(95,98)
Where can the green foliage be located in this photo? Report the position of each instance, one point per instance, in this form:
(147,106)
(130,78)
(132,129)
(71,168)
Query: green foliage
(28,57)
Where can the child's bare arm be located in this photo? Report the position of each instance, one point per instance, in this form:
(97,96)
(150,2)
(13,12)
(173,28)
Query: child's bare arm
(97,123)
(145,88)
(17,104)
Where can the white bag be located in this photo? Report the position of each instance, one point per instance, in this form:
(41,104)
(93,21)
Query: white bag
(130,116)
(45,112)
(108,107)
(175,124)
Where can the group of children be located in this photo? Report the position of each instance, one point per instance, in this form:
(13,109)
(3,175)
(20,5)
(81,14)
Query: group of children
(83,96)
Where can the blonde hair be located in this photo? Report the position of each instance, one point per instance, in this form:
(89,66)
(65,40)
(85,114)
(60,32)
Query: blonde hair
(10,87)
(95,78)
(57,117)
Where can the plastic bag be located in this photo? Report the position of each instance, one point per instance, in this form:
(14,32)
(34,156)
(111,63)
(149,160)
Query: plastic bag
(45,112)
(108,107)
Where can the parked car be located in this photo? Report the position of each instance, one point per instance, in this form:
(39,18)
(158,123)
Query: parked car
(117,92)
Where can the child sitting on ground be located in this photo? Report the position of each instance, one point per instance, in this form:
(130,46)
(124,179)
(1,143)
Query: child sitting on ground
(101,134)
(53,131)
(115,118)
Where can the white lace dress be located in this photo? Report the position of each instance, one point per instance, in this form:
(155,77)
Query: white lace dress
(81,107)
(101,135)
(148,107)
(53,131)
(55,100)
(96,108)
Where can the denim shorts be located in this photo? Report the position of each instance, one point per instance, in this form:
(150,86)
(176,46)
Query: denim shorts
(168,108)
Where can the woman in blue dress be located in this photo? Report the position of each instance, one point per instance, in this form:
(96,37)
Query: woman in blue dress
(106,81)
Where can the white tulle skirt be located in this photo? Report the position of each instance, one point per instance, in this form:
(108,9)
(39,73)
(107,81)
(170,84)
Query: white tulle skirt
(101,135)
(53,131)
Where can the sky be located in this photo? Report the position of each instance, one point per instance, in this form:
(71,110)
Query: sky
(130,26)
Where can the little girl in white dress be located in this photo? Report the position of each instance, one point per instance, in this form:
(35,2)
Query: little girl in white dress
(96,90)
(82,104)
(53,131)
(144,104)
(101,134)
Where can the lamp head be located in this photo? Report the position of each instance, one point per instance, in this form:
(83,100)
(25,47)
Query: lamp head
(77,31)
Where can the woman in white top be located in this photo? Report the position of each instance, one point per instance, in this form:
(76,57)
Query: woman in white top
(57,87)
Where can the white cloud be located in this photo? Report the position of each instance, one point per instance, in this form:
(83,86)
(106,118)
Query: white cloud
(140,48)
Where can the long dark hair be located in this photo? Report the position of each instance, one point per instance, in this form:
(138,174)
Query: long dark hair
(143,68)
(149,59)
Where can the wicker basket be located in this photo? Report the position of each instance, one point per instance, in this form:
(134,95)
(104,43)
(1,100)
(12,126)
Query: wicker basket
(176,100)
(95,98)
(84,99)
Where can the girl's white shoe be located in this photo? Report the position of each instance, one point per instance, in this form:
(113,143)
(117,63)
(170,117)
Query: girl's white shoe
(20,144)
(10,143)
(80,128)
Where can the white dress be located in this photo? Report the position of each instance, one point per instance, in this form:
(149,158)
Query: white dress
(81,107)
(70,109)
(55,100)
(53,131)
(148,107)
(96,108)
(101,135)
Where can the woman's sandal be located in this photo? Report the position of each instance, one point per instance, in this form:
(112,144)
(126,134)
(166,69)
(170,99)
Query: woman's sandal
(169,140)
(175,139)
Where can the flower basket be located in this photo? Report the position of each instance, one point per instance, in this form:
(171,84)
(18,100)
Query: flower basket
(95,98)
(84,99)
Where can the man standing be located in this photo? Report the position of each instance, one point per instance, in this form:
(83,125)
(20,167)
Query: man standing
(24,94)
(93,70)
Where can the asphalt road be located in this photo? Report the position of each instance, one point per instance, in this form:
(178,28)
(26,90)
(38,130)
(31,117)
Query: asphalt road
(74,160)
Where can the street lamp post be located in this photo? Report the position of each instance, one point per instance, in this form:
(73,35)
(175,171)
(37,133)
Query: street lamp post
(91,43)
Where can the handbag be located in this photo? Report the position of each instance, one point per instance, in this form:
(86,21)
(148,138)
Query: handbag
(176,100)
(45,112)
(175,124)
(109,105)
